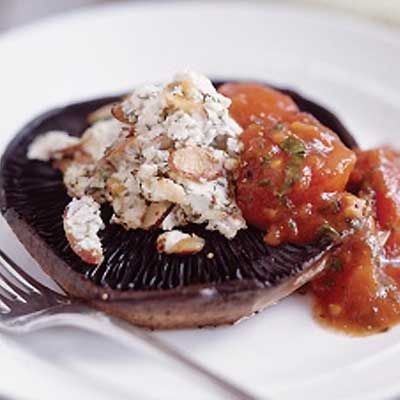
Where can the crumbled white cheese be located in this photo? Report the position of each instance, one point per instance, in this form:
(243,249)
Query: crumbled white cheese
(129,211)
(167,159)
(82,222)
(45,146)
(177,242)
(186,146)
(77,177)
(211,203)
(188,110)
(95,141)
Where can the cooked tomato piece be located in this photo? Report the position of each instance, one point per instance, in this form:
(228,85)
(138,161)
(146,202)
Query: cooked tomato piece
(297,180)
(293,169)
(360,291)
(354,294)
(292,180)
(377,173)
(253,102)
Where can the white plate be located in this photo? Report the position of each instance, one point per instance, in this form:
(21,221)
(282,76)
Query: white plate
(349,65)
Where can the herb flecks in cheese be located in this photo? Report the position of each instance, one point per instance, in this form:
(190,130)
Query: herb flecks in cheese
(186,147)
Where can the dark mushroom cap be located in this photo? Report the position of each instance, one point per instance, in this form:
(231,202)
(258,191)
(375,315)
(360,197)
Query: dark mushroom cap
(135,282)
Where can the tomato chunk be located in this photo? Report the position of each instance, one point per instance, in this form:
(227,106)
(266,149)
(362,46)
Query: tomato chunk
(354,294)
(252,102)
(377,174)
(293,169)
(360,291)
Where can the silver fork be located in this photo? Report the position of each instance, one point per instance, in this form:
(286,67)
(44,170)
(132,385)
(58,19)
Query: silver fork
(27,306)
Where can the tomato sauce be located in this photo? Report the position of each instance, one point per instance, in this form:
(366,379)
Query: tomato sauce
(298,181)
(294,170)
(363,295)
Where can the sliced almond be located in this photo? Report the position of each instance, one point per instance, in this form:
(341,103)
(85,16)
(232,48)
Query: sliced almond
(191,245)
(177,242)
(120,150)
(165,189)
(119,112)
(176,217)
(100,114)
(195,163)
(189,106)
(155,214)
(100,137)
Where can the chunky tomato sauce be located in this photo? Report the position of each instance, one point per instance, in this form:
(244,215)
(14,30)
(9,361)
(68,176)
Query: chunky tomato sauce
(294,170)
(360,292)
(297,181)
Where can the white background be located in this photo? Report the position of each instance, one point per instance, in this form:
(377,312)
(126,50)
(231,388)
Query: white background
(17,12)
(346,64)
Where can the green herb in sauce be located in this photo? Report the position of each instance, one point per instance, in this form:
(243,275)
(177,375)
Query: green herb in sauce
(294,147)
(266,159)
(336,265)
(296,150)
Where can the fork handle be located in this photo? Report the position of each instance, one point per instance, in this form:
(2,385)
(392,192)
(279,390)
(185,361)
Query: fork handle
(128,335)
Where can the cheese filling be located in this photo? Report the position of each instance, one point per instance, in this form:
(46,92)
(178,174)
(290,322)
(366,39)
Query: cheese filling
(166,160)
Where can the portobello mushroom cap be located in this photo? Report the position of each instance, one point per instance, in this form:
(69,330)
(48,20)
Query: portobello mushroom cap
(227,281)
